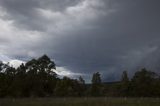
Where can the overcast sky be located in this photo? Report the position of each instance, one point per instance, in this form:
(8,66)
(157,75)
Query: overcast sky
(83,36)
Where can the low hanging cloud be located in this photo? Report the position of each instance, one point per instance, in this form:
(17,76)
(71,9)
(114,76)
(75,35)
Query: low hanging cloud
(83,36)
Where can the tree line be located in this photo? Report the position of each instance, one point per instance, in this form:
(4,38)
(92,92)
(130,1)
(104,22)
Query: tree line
(36,78)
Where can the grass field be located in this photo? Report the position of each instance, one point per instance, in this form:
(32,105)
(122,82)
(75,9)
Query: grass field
(81,102)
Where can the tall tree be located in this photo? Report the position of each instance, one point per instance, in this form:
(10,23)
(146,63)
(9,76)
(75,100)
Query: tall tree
(3,80)
(142,83)
(82,86)
(96,85)
(125,84)
(40,71)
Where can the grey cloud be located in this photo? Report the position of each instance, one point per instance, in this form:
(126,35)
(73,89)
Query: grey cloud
(24,13)
(131,29)
(109,37)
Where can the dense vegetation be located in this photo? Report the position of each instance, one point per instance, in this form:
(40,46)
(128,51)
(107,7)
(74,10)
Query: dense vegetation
(36,78)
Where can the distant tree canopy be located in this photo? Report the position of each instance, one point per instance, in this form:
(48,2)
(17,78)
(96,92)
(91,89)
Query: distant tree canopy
(36,78)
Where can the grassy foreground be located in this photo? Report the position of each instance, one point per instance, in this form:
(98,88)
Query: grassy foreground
(81,102)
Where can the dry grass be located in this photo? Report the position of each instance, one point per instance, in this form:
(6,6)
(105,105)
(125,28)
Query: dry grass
(81,102)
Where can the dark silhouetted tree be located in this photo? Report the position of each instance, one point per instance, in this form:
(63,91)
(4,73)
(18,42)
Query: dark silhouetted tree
(96,84)
(125,84)
(82,87)
(143,83)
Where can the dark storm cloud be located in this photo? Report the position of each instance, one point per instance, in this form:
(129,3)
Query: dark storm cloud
(125,40)
(24,11)
(86,36)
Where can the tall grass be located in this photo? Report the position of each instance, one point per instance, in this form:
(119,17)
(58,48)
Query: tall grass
(81,102)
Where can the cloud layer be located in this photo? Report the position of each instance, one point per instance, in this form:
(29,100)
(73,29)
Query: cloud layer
(84,36)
